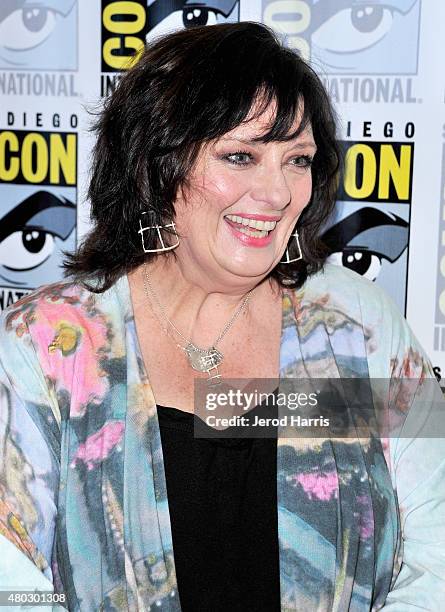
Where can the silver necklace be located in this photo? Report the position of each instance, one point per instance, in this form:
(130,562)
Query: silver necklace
(201,360)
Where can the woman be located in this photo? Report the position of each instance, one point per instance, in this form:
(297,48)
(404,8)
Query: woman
(214,170)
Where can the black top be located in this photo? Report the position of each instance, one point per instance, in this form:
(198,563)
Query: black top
(223,512)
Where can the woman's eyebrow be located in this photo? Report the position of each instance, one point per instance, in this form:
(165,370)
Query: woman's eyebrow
(303,144)
(298,144)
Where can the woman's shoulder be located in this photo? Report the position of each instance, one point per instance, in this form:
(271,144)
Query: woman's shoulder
(337,290)
(59,302)
(346,302)
(20,320)
(49,296)
(60,318)
(59,337)
(341,285)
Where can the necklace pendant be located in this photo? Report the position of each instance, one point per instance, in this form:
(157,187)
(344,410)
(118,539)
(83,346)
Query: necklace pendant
(214,379)
(203,361)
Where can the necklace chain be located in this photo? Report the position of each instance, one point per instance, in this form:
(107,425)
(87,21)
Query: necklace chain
(149,290)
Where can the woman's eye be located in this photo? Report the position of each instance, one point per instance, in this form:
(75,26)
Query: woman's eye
(302,161)
(240,158)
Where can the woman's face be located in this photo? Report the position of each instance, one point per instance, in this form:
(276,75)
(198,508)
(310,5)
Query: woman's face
(243,200)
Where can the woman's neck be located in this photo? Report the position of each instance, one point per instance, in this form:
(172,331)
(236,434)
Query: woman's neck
(199,306)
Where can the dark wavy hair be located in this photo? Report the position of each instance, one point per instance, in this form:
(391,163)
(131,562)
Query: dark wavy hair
(188,88)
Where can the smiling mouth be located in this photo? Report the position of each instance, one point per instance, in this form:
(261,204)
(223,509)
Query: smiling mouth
(251,227)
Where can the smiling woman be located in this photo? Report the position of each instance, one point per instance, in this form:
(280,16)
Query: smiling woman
(245,198)
(171,121)
(214,172)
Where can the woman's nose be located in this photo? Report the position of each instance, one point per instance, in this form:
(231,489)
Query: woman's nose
(270,186)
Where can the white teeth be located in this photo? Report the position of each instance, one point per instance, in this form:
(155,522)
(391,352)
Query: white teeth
(253,232)
(262,226)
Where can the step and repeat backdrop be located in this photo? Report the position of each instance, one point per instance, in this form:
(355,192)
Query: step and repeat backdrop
(380,61)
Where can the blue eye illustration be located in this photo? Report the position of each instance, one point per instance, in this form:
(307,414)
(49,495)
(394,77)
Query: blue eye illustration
(363,262)
(363,239)
(366,37)
(198,16)
(32,236)
(33,33)
(26,249)
(166,16)
(361,27)
(27,28)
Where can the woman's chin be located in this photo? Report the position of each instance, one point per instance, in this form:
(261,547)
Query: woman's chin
(246,269)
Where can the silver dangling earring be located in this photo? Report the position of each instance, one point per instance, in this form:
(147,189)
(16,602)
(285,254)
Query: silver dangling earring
(163,248)
(287,259)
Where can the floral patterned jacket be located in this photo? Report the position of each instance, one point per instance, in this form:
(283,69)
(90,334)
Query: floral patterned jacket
(83,501)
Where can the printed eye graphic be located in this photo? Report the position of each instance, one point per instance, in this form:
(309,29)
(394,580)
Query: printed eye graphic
(26,249)
(363,239)
(361,27)
(198,16)
(188,17)
(27,28)
(363,262)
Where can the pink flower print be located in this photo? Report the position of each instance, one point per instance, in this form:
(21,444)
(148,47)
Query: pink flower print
(322,486)
(99,445)
(71,346)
